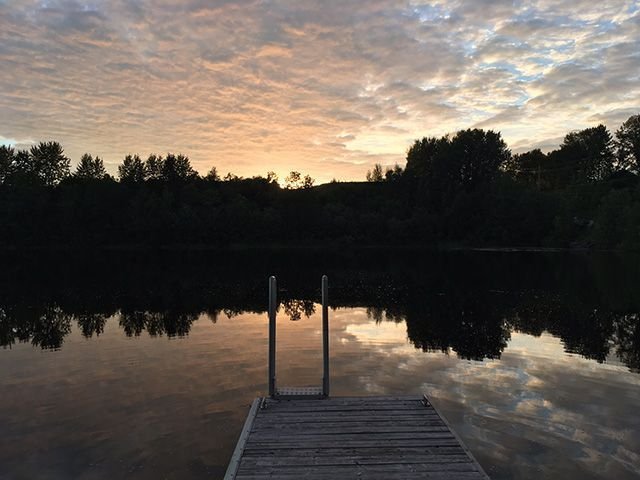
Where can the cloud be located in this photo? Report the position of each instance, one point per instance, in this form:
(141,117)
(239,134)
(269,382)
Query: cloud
(523,402)
(254,86)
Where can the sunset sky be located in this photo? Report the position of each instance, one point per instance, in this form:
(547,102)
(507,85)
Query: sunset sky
(325,87)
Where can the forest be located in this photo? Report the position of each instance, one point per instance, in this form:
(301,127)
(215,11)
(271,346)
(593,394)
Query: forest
(461,190)
(469,302)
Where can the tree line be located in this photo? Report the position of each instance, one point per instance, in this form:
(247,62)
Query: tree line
(46,164)
(461,189)
(458,302)
(473,330)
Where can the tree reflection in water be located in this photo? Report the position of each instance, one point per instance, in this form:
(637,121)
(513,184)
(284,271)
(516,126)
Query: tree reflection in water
(471,326)
(170,323)
(45,326)
(451,303)
(91,324)
(295,308)
(627,340)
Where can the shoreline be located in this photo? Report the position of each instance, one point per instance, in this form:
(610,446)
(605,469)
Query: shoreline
(240,247)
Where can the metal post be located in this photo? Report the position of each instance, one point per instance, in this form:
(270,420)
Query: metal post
(272,335)
(325,335)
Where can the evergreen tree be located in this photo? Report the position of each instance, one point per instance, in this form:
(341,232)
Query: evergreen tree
(586,155)
(49,163)
(153,167)
(90,168)
(132,170)
(628,144)
(7,155)
(177,168)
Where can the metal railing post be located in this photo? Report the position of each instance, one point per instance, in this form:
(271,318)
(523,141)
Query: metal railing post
(272,335)
(325,335)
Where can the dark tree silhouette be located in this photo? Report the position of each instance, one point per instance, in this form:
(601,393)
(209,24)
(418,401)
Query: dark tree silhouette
(153,167)
(295,308)
(90,168)
(49,163)
(307,181)
(49,327)
(461,189)
(628,144)
(628,339)
(272,177)
(25,170)
(470,326)
(529,168)
(7,330)
(444,167)
(375,175)
(421,157)
(480,153)
(389,175)
(132,170)
(91,324)
(7,154)
(468,303)
(176,168)
(133,323)
(212,175)
(393,174)
(157,323)
(293,180)
(586,155)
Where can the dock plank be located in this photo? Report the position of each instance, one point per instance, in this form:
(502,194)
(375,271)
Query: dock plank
(350,437)
(358,452)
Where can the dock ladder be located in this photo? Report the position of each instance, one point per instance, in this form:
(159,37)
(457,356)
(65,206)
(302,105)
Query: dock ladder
(298,392)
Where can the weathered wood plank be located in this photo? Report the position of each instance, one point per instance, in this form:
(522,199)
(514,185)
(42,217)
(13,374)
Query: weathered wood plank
(377,398)
(292,406)
(295,404)
(347,436)
(377,459)
(358,427)
(341,470)
(340,415)
(369,476)
(266,416)
(338,412)
(352,427)
(358,451)
(355,437)
(328,422)
(293,444)
(298,402)
(428,403)
(244,435)
(283,407)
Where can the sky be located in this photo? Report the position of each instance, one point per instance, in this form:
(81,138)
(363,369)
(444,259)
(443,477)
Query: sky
(325,88)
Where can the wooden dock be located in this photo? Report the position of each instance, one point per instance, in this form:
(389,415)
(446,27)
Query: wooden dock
(350,438)
(303,433)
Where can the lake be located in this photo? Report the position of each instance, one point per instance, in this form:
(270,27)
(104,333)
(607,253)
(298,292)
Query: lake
(132,365)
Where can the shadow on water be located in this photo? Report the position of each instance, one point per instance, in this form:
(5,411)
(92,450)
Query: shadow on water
(463,302)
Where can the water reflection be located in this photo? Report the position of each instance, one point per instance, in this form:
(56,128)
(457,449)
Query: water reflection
(91,324)
(44,326)
(156,324)
(512,358)
(294,308)
(475,323)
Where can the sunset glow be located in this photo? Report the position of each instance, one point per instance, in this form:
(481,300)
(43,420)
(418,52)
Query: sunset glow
(326,88)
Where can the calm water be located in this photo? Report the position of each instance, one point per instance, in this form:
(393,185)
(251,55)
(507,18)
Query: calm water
(141,366)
